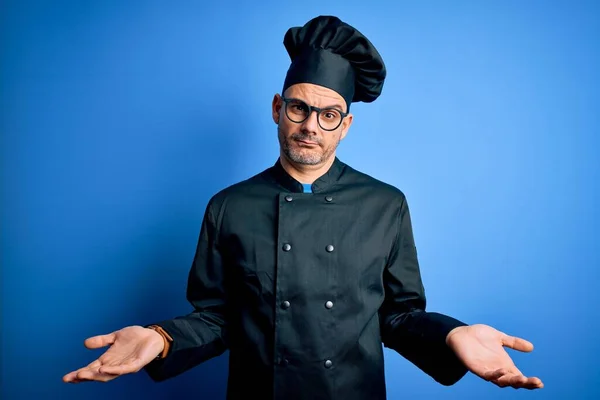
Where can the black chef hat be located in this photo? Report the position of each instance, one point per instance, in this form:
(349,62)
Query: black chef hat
(330,53)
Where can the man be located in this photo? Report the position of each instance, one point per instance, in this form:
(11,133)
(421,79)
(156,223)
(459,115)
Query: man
(305,269)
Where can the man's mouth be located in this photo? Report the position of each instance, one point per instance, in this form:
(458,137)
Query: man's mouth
(306,142)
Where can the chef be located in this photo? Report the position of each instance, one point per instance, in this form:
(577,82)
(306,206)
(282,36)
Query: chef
(306,270)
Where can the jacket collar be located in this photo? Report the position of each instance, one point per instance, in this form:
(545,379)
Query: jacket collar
(322,184)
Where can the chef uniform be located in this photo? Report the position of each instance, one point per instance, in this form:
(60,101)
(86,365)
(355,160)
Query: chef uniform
(305,283)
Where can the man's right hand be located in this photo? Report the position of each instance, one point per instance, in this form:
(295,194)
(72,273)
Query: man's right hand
(131,349)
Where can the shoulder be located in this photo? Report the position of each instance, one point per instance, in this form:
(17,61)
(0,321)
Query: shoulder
(241,192)
(384,190)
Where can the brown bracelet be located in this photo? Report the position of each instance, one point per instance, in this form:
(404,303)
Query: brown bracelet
(166,337)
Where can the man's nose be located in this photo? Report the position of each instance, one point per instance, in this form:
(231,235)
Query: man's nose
(311,124)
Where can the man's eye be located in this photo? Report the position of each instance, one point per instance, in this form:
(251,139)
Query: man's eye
(330,114)
(299,108)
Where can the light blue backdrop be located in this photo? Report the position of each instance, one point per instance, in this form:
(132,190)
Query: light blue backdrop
(121,118)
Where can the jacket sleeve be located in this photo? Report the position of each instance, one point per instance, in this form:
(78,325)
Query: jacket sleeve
(201,334)
(417,335)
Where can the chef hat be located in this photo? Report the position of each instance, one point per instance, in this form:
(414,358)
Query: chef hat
(330,53)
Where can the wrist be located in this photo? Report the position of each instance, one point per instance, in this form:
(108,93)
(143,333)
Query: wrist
(453,332)
(166,339)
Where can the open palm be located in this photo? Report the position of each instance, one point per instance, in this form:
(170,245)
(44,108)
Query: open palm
(131,348)
(481,349)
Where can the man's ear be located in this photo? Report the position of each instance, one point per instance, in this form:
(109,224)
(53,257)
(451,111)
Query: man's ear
(346,125)
(276,108)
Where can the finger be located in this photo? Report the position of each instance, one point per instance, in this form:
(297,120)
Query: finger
(71,377)
(503,376)
(94,375)
(533,383)
(96,342)
(504,380)
(516,381)
(73,381)
(93,365)
(516,343)
(495,374)
(519,382)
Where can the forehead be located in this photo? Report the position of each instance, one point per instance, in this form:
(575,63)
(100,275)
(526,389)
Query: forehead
(315,95)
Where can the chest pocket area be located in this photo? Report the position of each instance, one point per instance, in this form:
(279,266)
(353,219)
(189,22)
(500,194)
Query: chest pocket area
(251,264)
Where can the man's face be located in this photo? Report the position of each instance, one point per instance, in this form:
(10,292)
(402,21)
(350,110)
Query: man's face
(306,142)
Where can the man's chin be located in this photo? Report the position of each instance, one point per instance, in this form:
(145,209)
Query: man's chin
(305,159)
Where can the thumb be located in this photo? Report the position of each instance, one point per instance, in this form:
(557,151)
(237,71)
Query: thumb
(96,342)
(516,343)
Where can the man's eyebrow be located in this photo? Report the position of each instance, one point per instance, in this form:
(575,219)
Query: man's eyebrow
(336,105)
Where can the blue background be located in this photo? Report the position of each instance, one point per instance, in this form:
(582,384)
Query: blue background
(120,119)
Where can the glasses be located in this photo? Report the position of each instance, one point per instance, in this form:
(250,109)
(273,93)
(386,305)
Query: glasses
(297,111)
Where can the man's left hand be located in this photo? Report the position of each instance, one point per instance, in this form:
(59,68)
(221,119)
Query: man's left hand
(481,349)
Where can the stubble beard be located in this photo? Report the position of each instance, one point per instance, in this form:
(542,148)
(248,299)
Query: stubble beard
(304,156)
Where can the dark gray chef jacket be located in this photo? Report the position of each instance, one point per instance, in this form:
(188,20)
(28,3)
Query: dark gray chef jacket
(305,289)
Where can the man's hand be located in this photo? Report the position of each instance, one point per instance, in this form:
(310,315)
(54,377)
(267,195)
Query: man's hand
(481,349)
(131,349)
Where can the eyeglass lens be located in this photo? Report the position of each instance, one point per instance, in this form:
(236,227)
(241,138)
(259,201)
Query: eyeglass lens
(298,111)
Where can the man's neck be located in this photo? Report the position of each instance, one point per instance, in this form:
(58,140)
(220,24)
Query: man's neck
(306,173)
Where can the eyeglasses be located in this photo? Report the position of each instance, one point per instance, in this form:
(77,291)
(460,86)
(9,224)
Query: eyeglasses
(298,111)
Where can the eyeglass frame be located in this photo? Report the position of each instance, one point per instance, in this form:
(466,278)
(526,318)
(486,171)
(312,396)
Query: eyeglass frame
(310,111)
